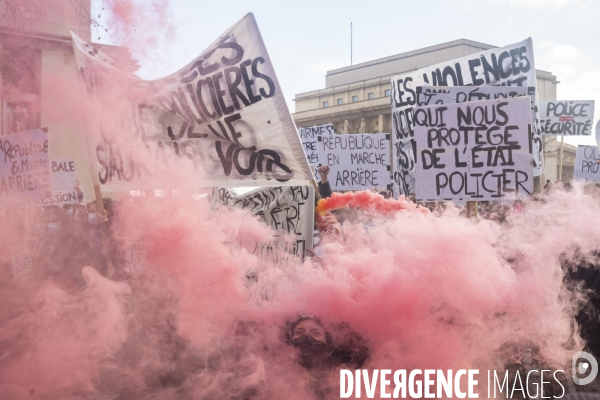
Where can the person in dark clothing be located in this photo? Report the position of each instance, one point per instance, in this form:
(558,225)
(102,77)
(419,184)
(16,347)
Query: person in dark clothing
(324,186)
(317,347)
(60,253)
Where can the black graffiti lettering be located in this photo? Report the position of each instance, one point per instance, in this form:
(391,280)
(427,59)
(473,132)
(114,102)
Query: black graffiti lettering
(258,74)
(232,86)
(249,82)
(201,101)
(221,94)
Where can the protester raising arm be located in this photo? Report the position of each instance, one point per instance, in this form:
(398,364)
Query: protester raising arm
(324,187)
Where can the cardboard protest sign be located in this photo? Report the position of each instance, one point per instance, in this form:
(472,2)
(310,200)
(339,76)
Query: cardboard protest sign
(222,115)
(512,65)
(358,161)
(475,151)
(430,95)
(573,117)
(22,262)
(24,167)
(586,163)
(286,209)
(63,180)
(135,256)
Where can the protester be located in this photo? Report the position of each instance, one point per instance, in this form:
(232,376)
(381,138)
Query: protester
(548,186)
(60,253)
(324,186)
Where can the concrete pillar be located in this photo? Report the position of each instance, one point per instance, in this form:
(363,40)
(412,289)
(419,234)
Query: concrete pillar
(380,123)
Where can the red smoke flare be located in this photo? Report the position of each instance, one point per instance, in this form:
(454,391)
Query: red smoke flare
(368,201)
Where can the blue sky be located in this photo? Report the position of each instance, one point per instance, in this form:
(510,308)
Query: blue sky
(306,38)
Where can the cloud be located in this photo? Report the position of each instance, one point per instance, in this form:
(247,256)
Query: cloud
(540,3)
(560,51)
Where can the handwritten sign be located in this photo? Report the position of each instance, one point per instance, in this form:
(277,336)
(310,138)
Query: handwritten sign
(586,163)
(512,65)
(357,161)
(223,115)
(430,95)
(135,256)
(63,180)
(309,137)
(286,209)
(476,151)
(22,261)
(24,167)
(572,118)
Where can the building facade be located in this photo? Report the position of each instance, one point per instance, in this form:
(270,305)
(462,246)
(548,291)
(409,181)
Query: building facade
(39,86)
(356,99)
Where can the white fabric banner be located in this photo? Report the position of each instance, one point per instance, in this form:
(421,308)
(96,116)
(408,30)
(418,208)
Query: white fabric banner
(427,95)
(567,117)
(286,209)
(24,167)
(358,161)
(223,115)
(63,180)
(474,151)
(586,163)
(507,66)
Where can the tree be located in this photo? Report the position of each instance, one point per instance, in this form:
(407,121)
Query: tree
(360,122)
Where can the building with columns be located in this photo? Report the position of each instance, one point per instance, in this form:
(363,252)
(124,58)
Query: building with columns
(356,99)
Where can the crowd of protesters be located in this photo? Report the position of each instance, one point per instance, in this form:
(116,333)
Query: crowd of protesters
(65,238)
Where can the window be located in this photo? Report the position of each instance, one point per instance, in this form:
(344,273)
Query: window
(387,92)
(325,104)
(340,102)
(371,96)
(354,99)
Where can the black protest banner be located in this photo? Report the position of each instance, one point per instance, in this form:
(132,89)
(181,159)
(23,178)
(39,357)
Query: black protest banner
(430,95)
(587,164)
(474,151)
(572,118)
(358,161)
(223,116)
(24,167)
(512,65)
(288,210)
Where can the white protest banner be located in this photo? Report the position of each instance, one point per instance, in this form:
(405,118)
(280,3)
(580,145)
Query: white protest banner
(63,180)
(507,66)
(309,137)
(598,133)
(570,117)
(286,209)
(22,261)
(358,161)
(223,115)
(24,167)
(474,151)
(430,95)
(586,163)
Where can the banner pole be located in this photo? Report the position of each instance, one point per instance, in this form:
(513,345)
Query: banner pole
(560,164)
